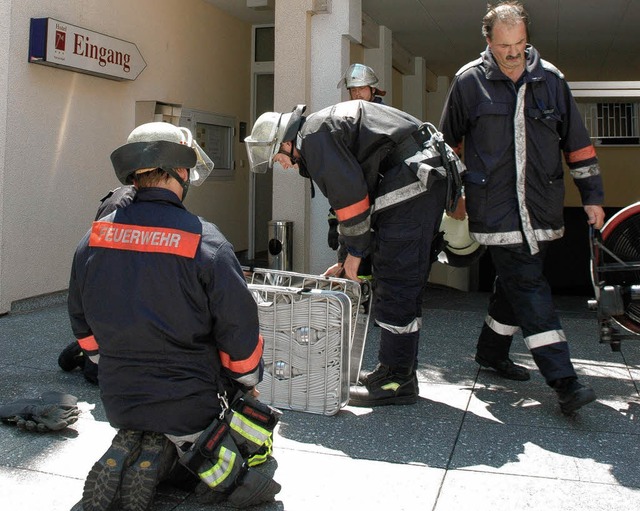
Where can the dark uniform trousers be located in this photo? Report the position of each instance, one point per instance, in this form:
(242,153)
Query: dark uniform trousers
(522,298)
(403,236)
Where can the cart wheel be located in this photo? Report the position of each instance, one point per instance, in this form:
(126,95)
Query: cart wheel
(621,239)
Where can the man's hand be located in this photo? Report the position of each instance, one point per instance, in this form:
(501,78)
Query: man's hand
(460,212)
(595,215)
(351,266)
(334,271)
(347,270)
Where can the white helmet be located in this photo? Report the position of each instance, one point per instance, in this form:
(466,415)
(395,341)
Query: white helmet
(359,75)
(269,131)
(460,249)
(160,145)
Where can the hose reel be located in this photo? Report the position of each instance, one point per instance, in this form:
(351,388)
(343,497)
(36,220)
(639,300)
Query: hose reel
(615,273)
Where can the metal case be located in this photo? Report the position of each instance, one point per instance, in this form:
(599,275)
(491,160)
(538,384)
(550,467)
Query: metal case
(314,328)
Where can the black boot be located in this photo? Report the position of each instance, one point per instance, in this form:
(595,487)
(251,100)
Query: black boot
(253,488)
(90,371)
(505,368)
(71,357)
(103,482)
(139,481)
(493,351)
(572,395)
(386,386)
(363,376)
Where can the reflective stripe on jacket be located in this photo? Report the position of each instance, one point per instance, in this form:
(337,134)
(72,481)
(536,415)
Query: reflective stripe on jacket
(515,191)
(343,148)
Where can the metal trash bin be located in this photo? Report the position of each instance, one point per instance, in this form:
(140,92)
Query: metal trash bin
(280,247)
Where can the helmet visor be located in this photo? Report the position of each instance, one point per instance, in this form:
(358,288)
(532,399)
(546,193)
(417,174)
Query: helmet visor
(260,155)
(262,143)
(203,167)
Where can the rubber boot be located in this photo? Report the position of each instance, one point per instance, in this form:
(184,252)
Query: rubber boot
(90,371)
(386,386)
(140,480)
(505,368)
(572,395)
(103,482)
(71,357)
(493,352)
(254,488)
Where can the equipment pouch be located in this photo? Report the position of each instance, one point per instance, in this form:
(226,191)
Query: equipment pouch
(265,415)
(215,458)
(251,426)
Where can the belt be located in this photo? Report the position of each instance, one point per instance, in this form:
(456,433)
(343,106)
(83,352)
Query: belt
(415,142)
(408,146)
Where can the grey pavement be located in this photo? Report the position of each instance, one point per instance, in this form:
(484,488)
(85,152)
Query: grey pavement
(473,441)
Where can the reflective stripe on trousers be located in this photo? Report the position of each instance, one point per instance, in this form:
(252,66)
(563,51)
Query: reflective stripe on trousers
(221,470)
(522,297)
(248,431)
(401,264)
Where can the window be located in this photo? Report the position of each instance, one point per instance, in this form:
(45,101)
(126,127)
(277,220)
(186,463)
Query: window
(264,44)
(612,123)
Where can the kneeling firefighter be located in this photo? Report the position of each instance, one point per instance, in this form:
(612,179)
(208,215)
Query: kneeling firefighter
(154,296)
(388,177)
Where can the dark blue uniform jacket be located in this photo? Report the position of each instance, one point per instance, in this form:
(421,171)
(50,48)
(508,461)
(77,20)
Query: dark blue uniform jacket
(160,295)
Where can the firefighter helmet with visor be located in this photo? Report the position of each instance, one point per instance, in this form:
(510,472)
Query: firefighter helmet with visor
(269,131)
(161,145)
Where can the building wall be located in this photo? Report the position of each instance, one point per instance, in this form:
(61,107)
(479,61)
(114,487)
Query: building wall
(61,126)
(397,97)
(58,128)
(5,24)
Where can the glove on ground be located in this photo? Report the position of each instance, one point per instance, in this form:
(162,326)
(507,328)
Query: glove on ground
(52,411)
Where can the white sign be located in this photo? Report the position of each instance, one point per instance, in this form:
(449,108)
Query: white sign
(56,43)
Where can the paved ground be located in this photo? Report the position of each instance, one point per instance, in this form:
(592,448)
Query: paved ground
(473,441)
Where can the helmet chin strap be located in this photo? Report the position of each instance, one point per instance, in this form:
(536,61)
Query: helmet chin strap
(184,184)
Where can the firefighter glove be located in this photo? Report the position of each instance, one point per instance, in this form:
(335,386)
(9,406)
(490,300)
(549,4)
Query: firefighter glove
(52,411)
(332,236)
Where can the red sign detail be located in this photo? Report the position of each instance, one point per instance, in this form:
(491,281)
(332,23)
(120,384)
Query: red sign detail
(61,40)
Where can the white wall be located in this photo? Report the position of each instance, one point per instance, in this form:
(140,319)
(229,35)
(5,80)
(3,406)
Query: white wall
(329,51)
(5,11)
(436,99)
(61,126)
